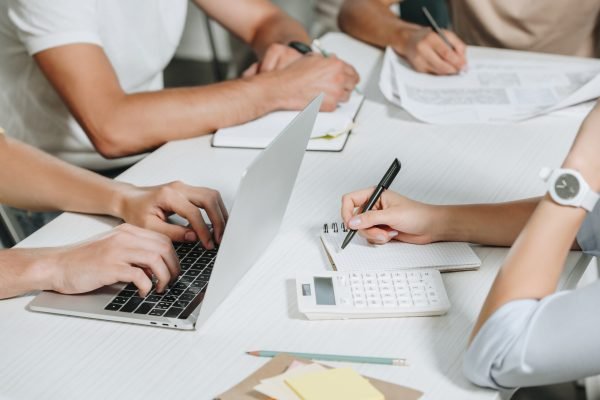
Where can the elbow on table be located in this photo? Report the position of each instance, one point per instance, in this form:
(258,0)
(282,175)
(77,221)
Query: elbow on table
(113,141)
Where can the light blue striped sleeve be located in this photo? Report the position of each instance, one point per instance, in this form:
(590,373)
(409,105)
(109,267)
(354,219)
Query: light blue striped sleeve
(589,233)
(532,343)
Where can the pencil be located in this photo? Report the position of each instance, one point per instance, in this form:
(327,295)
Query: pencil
(399,362)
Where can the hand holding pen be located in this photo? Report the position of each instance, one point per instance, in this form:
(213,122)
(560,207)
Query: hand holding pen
(432,50)
(385,183)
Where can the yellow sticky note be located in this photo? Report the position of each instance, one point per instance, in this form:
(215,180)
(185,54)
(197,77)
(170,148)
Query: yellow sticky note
(333,384)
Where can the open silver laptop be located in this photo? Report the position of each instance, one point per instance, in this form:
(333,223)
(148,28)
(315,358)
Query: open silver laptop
(208,276)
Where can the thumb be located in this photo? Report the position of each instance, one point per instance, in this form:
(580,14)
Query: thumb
(251,71)
(176,233)
(369,219)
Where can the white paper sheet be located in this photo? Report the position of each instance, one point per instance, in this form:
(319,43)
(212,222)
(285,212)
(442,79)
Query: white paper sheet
(491,90)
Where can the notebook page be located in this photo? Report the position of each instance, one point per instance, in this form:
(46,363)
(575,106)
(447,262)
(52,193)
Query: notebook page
(260,132)
(361,255)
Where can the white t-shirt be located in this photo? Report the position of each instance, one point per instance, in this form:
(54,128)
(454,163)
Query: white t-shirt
(138,36)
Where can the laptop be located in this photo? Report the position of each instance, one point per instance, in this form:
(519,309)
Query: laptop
(207,277)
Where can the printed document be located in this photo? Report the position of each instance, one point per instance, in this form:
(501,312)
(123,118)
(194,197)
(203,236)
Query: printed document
(490,90)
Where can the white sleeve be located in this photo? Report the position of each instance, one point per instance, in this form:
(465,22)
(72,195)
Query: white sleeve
(43,24)
(589,234)
(532,343)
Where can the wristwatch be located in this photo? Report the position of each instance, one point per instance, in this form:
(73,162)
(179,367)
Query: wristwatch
(568,188)
(300,47)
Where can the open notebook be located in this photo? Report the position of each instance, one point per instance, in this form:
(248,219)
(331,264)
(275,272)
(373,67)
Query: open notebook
(329,134)
(361,255)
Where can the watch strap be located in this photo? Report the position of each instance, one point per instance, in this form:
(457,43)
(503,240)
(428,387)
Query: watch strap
(300,47)
(590,198)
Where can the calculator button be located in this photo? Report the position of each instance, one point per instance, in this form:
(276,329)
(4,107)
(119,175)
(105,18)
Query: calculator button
(384,276)
(413,276)
(389,303)
(371,288)
(374,303)
(387,297)
(426,275)
(417,288)
(360,303)
(357,288)
(370,282)
(434,302)
(370,275)
(404,303)
(402,294)
(421,303)
(385,286)
(359,297)
(419,296)
(401,286)
(399,275)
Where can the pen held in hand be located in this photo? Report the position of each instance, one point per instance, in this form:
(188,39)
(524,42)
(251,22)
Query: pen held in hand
(385,183)
(433,25)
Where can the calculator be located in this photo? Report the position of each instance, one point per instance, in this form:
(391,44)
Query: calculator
(371,294)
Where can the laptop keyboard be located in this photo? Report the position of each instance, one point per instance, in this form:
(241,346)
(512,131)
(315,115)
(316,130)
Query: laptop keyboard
(179,299)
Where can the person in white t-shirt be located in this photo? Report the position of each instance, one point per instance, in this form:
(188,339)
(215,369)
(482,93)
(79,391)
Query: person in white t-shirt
(82,79)
(133,252)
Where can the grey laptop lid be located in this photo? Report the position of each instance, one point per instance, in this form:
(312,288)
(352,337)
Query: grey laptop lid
(259,207)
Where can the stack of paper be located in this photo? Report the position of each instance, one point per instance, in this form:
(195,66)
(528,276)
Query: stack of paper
(315,382)
(491,90)
(276,371)
(329,134)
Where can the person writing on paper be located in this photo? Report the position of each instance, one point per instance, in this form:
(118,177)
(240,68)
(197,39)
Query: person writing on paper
(526,334)
(133,252)
(89,75)
(511,24)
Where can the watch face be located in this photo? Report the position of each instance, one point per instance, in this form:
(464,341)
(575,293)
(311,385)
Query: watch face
(566,186)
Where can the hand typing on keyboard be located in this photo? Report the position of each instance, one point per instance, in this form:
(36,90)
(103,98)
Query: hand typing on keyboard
(124,254)
(149,207)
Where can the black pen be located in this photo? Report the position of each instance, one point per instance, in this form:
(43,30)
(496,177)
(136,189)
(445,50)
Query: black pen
(433,25)
(385,183)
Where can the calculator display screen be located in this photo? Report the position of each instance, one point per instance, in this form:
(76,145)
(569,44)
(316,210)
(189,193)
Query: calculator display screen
(324,291)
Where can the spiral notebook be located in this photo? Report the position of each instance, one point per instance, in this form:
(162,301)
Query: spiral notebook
(361,255)
(330,132)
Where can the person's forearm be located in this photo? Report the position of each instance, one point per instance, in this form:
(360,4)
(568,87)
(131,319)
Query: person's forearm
(34,180)
(373,22)
(22,271)
(279,28)
(536,260)
(144,121)
(487,224)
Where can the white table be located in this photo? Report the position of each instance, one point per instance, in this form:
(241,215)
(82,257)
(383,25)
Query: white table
(53,357)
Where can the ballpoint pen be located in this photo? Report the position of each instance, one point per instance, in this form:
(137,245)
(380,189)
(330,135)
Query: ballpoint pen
(385,183)
(436,27)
